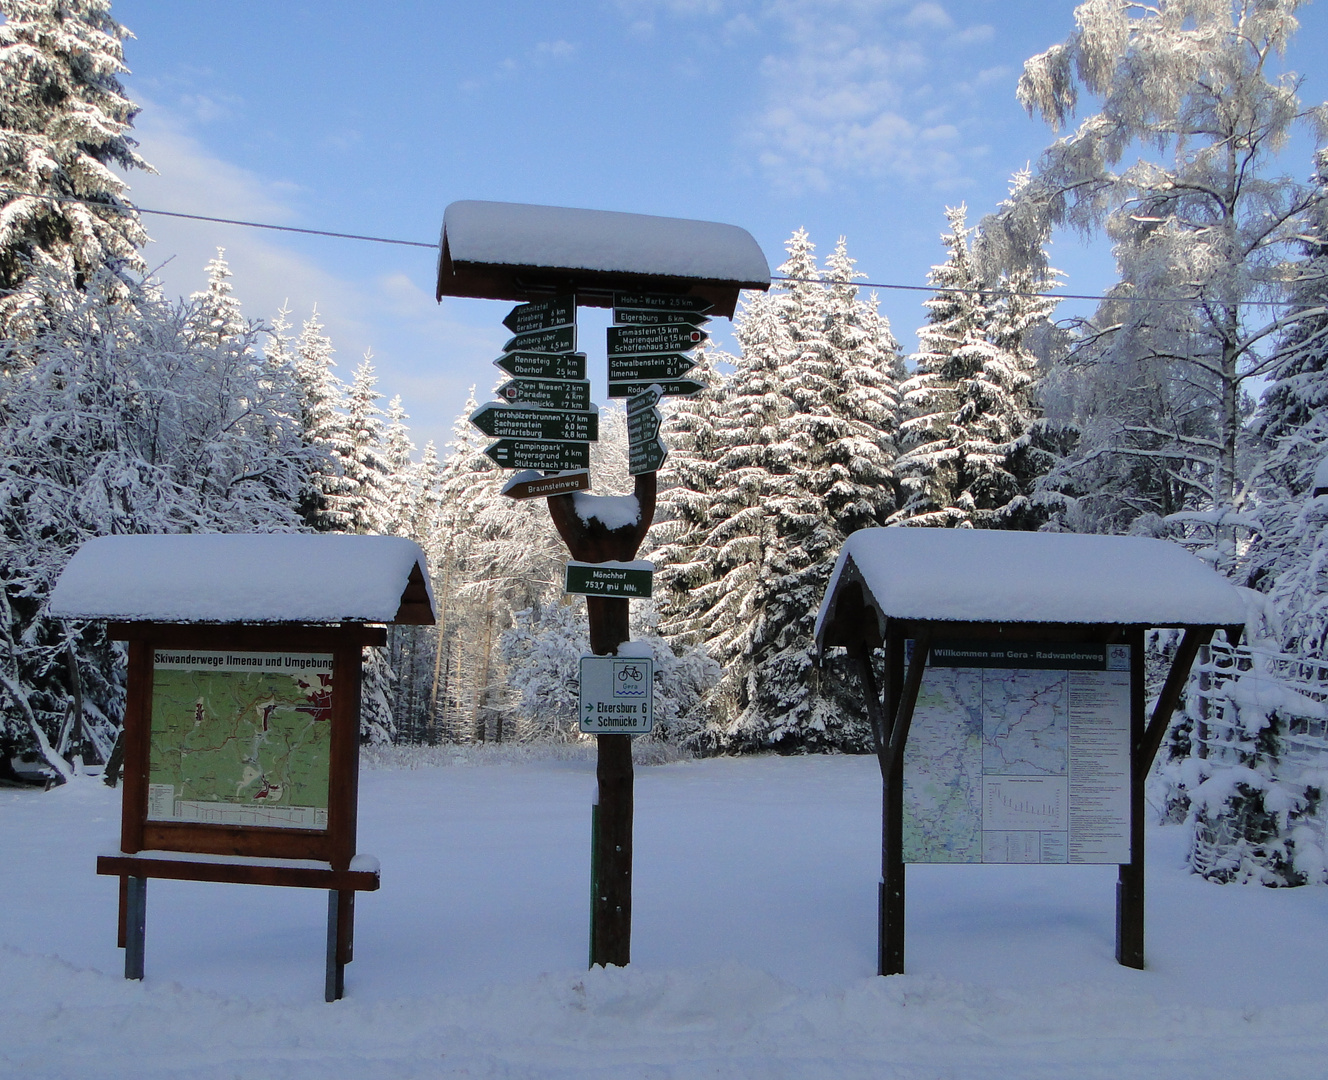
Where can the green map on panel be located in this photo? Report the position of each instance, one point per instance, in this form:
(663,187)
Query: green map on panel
(240,739)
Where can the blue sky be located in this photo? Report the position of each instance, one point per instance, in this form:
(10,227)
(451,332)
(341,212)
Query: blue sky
(861,118)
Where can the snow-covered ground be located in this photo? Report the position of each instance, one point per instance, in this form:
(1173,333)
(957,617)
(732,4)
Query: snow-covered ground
(753,947)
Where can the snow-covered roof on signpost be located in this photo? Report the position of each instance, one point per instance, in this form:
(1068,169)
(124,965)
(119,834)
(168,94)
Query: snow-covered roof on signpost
(976,575)
(246,578)
(514,251)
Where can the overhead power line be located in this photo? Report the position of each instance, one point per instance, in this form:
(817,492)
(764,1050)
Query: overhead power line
(130,208)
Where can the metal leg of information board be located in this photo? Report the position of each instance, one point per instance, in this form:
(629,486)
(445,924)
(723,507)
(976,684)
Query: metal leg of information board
(334,983)
(136,907)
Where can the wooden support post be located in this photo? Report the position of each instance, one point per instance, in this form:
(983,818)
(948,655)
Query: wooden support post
(1145,740)
(612,943)
(1130,877)
(901,695)
(594,877)
(135,925)
(611,859)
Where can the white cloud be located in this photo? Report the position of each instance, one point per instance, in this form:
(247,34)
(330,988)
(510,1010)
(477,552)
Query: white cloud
(560,50)
(852,90)
(974,35)
(841,100)
(928,16)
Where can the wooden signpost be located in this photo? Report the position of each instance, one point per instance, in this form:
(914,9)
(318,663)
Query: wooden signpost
(242,715)
(503,251)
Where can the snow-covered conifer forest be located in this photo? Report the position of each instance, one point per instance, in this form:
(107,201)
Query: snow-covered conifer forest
(1191,405)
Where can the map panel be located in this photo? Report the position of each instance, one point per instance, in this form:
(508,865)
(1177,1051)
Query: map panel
(1019,754)
(240,738)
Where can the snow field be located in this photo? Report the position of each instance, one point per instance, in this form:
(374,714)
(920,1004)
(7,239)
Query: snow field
(753,947)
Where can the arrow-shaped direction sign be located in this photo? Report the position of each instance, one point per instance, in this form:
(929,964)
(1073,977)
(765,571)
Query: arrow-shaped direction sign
(660,302)
(639,340)
(561,339)
(530,484)
(649,369)
(529,422)
(528,365)
(643,427)
(646,399)
(609,578)
(544,456)
(631,317)
(671,387)
(547,393)
(541,315)
(646,458)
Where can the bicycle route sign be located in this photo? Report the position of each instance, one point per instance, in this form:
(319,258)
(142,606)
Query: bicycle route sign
(617,695)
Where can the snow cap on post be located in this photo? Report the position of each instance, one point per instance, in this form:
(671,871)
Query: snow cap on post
(247,578)
(515,251)
(981,575)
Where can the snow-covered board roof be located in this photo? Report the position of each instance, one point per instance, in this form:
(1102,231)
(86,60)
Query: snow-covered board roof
(514,251)
(977,575)
(246,578)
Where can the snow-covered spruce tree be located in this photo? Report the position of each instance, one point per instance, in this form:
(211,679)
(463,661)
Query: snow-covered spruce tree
(326,502)
(218,311)
(970,407)
(688,483)
(803,451)
(64,123)
(364,465)
(120,417)
(401,478)
(364,473)
(1200,226)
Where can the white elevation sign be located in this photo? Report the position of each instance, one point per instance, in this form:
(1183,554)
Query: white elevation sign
(617,695)
(1020,753)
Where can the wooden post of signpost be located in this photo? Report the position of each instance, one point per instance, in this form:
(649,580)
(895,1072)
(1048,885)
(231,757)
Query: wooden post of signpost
(611,858)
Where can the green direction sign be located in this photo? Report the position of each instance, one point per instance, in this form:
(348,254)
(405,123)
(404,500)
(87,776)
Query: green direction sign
(643,427)
(671,387)
(561,339)
(629,317)
(528,365)
(541,315)
(547,393)
(646,457)
(544,456)
(660,302)
(646,399)
(528,422)
(609,579)
(617,695)
(639,340)
(649,369)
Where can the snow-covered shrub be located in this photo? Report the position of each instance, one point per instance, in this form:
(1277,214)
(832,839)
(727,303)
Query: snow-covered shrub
(543,653)
(1247,767)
